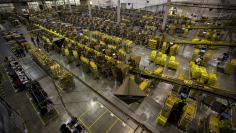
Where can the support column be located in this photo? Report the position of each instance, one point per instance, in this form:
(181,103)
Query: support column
(64,6)
(89,8)
(69,6)
(75,2)
(166,14)
(55,2)
(90,16)
(118,11)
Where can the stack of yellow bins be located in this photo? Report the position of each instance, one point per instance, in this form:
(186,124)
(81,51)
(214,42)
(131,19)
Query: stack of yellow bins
(75,53)
(158,71)
(85,31)
(164,47)
(153,55)
(94,69)
(152,44)
(66,52)
(84,60)
(195,70)
(172,58)
(158,58)
(204,75)
(174,49)
(121,54)
(93,65)
(143,85)
(163,60)
(187,116)
(128,45)
(212,79)
(172,63)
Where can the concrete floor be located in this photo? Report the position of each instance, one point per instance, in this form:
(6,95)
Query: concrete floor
(101,116)
(94,114)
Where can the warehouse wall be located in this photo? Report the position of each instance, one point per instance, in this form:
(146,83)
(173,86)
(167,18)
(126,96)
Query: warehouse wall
(6,7)
(198,12)
(133,3)
(206,12)
(208,1)
(73,2)
(143,3)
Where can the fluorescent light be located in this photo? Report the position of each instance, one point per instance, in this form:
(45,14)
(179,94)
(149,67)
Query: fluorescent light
(92,103)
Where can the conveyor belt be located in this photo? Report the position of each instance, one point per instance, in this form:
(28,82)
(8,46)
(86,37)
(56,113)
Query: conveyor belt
(196,86)
(211,27)
(201,43)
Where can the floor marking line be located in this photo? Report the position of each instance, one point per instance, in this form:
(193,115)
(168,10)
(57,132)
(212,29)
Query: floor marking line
(84,113)
(109,110)
(98,119)
(85,125)
(112,125)
(116,116)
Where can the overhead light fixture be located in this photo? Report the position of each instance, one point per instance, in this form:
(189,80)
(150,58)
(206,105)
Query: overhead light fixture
(92,102)
(90,2)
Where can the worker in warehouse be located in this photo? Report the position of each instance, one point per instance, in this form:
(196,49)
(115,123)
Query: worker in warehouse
(37,42)
(33,40)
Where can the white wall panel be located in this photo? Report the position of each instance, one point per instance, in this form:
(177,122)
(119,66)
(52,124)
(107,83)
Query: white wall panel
(6,7)
(33,6)
(143,3)
(135,3)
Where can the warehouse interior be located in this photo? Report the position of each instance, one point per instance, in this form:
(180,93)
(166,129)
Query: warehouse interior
(118,66)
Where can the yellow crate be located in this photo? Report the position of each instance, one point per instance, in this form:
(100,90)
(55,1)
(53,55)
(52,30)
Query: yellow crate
(212,79)
(159,54)
(75,53)
(66,51)
(204,77)
(153,55)
(152,43)
(83,59)
(161,120)
(173,65)
(164,47)
(158,71)
(93,65)
(158,61)
(172,58)
(174,49)
(143,85)
(163,60)
(195,71)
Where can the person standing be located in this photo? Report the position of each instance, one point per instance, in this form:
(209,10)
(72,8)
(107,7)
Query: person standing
(33,40)
(37,41)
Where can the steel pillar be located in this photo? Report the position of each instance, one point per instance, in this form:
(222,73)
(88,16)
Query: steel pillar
(118,11)
(166,14)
